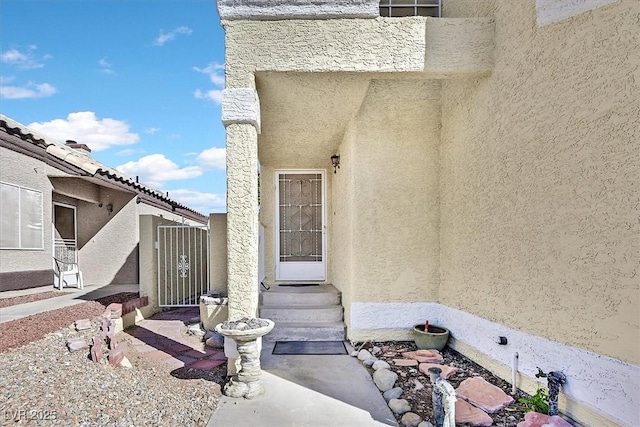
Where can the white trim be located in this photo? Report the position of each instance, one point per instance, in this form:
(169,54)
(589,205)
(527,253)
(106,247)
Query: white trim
(315,271)
(551,11)
(241,105)
(607,385)
(296,9)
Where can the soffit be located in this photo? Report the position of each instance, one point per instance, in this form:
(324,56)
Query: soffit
(304,115)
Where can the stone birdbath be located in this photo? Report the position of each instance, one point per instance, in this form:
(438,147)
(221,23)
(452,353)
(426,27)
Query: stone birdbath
(245,333)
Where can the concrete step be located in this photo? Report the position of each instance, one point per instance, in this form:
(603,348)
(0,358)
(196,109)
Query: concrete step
(286,296)
(307,331)
(323,313)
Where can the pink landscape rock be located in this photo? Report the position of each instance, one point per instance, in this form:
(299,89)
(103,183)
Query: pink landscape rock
(482,394)
(96,349)
(83,324)
(116,356)
(467,413)
(447,370)
(424,356)
(405,362)
(534,419)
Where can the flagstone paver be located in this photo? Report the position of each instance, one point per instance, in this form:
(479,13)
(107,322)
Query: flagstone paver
(467,413)
(479,392)
(447,370)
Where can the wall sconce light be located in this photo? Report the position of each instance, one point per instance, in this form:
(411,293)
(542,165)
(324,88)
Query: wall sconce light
(109,208)
(335,162)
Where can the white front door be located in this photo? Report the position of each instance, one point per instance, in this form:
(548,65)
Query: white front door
(300,225)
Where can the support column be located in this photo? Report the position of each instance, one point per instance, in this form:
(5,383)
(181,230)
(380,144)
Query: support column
(241,117)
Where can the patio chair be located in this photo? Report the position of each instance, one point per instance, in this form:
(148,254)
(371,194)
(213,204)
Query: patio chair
(66,274)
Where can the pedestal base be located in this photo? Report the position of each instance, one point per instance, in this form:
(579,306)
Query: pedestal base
(235,388)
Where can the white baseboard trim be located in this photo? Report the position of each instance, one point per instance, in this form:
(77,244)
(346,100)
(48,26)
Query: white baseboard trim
(607,385)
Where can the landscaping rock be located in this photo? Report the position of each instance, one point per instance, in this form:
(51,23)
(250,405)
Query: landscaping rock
(215,341)
(83,324)
(535,419)
(96,349)
(425,424)
(116,356)
(380,364)
(424,356)
(384,379)
(399,406)
(125,363)
(76,344)
(394,393)
(410,419)
(364,355)
(376,350)
(369,362)
(447,370)
(483,394)
(405,362)
(467,413)
(115,310)
(196,329)
(418,384)
(354,353)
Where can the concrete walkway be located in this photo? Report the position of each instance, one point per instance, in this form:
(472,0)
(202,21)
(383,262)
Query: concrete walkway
(308,391)
(67,298)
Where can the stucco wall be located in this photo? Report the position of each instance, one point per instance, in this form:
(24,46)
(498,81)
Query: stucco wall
(377,45)
(28,172)
(218,252)
(108,241)
(539,174)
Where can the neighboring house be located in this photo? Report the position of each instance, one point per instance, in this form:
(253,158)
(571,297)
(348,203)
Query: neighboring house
(57,201)
(487,181)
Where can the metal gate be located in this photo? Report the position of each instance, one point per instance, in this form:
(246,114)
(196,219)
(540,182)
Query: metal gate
(183,265)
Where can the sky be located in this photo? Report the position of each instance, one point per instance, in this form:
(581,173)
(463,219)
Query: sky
(138,81)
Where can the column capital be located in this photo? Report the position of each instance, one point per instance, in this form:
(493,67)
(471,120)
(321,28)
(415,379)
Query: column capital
(241,105)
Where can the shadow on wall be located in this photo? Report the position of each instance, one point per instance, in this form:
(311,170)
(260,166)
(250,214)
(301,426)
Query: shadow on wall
(128,272)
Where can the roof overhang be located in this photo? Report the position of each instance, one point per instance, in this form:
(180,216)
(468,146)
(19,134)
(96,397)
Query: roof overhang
(296,9)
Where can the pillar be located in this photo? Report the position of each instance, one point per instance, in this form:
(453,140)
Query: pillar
(241,118)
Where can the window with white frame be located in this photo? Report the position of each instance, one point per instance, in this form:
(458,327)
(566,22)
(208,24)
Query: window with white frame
(21,218)
(400,8)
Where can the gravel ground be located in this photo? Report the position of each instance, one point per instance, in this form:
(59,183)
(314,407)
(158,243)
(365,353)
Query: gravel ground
(42,383)
(8,302)
(19,332)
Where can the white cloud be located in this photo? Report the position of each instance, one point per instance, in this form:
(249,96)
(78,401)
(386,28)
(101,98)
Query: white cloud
(105,66)
(204,203)
(215,72)
(25,60)
(151,130)
(155,169)
(212,95)
(171,35)
(214,157)
(85,128)
(30,90)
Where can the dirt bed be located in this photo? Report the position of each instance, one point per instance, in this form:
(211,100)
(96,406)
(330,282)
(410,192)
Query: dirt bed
(417,386)
(23,299)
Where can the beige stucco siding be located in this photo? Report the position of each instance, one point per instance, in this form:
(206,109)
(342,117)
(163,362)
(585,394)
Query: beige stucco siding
(18,169)
(539,173)
(360,45)
(395,201)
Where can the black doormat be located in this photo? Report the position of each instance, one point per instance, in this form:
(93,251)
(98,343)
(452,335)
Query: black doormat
(310,347)
(300,285)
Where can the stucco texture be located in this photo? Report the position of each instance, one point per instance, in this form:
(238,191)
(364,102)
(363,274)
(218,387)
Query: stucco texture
(539,179)
(457,46)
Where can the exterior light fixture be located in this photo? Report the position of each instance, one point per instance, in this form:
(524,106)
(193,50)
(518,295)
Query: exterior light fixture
(335,162)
